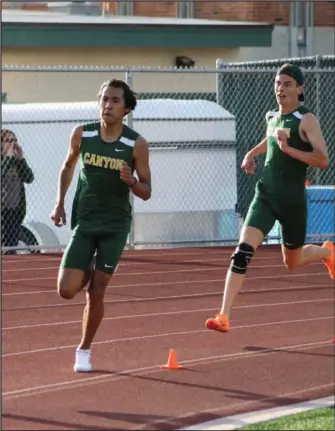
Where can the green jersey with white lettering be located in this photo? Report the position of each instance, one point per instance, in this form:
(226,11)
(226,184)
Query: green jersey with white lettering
(101,203)
(283,177)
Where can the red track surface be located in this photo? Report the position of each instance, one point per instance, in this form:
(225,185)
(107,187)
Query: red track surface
(277,352)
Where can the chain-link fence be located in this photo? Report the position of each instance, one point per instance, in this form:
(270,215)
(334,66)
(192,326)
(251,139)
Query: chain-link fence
(192,149)
(198,122)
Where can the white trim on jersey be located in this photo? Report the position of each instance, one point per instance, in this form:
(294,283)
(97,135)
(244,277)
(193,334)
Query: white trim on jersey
(126,141)
(90,134)
(298,115)
(270,114)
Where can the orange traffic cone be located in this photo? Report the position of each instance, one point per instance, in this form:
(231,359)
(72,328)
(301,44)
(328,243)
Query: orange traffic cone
(172,363)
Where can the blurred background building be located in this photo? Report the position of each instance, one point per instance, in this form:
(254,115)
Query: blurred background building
(156,34)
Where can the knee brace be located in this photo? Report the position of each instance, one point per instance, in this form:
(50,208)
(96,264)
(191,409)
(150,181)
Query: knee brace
(241,258)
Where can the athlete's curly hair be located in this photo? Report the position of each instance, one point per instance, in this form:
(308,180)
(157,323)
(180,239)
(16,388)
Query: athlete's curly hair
(129,94)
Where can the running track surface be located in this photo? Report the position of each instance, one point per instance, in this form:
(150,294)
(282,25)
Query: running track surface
(278,351)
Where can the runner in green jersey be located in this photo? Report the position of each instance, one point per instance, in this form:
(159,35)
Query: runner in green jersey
(293,142)
(109,152)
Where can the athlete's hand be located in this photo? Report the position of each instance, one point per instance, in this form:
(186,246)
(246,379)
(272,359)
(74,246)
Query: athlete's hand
(248,164)
(126,175)
(58,216)
(282,139)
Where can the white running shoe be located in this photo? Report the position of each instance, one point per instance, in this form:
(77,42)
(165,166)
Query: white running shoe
(83,361)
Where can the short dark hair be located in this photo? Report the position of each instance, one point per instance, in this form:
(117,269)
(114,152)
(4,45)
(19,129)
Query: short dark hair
(129,95)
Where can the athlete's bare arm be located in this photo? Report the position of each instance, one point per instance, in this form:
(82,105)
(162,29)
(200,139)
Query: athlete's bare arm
(141,188)
(69,164)
(259,149)
(66,175)
(310,131)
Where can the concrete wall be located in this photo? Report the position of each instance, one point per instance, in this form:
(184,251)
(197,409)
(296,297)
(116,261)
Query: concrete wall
(320,40)
(82,86)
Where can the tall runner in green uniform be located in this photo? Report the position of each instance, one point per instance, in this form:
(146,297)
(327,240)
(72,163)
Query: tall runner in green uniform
(109,152)
(293,142)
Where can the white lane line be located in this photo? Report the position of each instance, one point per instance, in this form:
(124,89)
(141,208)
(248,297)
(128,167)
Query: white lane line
(246,419)
(71,384)
(168,313)
(121,286)
(151,263)
(169,334)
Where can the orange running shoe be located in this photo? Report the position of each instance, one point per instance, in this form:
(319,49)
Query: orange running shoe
(219,323)
(330,263)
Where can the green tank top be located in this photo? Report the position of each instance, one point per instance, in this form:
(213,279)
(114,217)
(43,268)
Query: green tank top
(101,203)
(283,177)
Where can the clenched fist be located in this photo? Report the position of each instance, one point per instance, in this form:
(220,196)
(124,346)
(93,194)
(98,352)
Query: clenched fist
(282,139)
(58,216)
(126,175)
(248,164)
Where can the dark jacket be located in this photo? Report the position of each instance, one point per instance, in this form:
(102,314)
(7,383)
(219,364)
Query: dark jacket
(14,173)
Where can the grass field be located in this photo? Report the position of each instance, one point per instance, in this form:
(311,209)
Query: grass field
(321,419)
